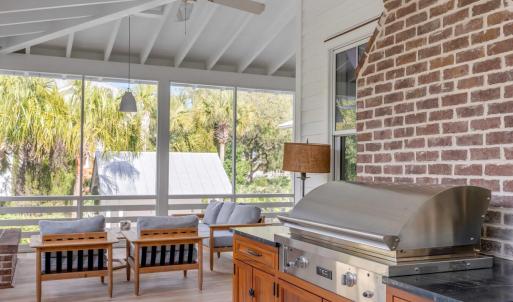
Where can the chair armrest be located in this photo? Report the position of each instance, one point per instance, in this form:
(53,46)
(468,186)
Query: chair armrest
(200,215)
(168,241)
(220,227)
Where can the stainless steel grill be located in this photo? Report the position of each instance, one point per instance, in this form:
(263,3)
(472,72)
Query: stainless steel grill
(343,231)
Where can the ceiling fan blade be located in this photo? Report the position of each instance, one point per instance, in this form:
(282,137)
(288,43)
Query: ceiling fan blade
(245,5)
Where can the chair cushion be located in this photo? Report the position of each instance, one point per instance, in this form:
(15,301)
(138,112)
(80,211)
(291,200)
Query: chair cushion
(221,239)
(245,214)
(166,222)
(212,212)
(94,224)
(225,212)
(203,229)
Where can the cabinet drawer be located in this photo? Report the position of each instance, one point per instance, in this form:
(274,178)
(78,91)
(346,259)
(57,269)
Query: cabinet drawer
(255,253)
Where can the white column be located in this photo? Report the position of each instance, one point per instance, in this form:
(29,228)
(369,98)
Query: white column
(161,208)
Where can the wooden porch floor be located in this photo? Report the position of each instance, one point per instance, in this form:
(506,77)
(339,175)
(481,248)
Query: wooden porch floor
(154,287)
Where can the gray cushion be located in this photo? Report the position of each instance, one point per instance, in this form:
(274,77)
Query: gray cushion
(203,229)
(244,214)
(94,224)
(212,211)
(166,222)
(226,212)
(221,239)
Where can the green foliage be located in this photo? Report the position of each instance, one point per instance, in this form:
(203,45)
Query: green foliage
(40,130)
(202,121)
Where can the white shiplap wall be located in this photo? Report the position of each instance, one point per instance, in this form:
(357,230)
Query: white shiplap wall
(319,20)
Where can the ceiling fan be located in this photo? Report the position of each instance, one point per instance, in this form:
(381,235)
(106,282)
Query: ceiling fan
(249,6)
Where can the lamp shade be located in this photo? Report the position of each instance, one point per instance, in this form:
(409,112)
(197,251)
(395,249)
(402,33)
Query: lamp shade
(306,158)
(128,103)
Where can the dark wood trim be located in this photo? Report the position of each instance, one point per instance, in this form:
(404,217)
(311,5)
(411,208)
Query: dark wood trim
(397,295)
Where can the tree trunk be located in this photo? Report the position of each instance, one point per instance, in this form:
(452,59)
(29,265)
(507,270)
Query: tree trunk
(76,187)
(20,180)
(222,147)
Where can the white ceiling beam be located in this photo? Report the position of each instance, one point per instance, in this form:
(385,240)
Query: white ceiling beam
(155,13)
(280,61)
(155,33)
(266,38)
(65,13)
(69,45)
(27,50)
(10,6)
(198,23)
(58,29)
(99,68)
(112,39)
(242,22)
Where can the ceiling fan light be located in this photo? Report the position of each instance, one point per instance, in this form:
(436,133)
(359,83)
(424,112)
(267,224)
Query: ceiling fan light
(128,103)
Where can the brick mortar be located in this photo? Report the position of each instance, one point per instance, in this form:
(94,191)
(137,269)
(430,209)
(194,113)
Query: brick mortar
(441,81)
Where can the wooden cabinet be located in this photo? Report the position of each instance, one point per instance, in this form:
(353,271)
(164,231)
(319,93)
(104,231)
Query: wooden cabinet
(397,295)
(264,286)
(292,293)
(242,281)
(256,278)
(253,285)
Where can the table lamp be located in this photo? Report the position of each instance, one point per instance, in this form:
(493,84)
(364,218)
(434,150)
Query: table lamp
(306,158)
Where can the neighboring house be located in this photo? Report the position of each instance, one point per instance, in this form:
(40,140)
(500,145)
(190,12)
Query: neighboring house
(130,173)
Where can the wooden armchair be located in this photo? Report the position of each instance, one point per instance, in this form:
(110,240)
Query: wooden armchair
(163,250)
(213,229)
(71,256)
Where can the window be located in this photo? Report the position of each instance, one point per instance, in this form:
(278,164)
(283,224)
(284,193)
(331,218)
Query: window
(264,124)
(200,139)
(67,152)
(119,148)
(344,111)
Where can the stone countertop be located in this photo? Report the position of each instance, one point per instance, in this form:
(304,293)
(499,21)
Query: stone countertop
(263,234)
(490,285)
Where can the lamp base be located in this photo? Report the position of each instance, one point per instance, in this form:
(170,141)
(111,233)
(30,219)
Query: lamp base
(303,178)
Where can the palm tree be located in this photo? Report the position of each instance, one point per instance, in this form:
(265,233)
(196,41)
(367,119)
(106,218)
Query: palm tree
(214,111)
(33,126)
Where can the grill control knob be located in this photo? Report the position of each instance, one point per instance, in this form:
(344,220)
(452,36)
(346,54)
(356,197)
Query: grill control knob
(301,262)
(291,264)
(368,294)
(349,279)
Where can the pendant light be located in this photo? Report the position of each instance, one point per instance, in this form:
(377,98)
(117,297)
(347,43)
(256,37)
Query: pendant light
(128,103)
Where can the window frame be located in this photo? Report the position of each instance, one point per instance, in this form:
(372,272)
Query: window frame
(335,135)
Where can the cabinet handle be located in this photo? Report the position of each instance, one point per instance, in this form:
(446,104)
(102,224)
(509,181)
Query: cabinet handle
(251,292)
(274,289)
(253,253)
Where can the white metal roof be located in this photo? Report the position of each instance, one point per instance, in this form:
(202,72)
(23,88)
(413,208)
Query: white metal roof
(218,37)
(122,173)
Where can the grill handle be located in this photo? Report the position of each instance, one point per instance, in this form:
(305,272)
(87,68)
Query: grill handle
(390,241)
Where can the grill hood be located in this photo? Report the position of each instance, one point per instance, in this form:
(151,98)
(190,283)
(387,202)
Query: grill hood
(392,219)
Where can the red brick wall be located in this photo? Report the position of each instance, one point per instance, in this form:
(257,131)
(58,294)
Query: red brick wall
(435,102)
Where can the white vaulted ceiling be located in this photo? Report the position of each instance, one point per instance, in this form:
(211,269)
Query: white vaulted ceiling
(218,37)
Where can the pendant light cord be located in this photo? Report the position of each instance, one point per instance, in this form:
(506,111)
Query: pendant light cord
(129,52)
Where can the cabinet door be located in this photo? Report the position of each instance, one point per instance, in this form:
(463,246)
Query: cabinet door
(291,293)
(397,295)
(242,282)
(264,286)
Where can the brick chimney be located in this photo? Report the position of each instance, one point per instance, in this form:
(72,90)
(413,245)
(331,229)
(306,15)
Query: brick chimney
(435,102)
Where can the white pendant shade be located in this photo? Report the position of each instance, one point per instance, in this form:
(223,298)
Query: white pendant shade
(128,103)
